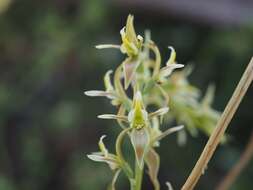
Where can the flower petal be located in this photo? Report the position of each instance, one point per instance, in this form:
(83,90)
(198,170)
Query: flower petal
(172,58)
(168,132)
(130,32)
(112,116)
(107,81)
(153,162)
(94,93)
(159,112)
(105,46)
(167,70)
(140,141)
(130,66)
(138,116)
(102,147)
(111,161)
(169,186)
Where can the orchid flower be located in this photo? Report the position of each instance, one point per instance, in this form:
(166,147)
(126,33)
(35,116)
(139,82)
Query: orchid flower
(153,87)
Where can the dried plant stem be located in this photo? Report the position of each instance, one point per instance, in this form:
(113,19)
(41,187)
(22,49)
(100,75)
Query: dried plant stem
(238,167)
(222,124)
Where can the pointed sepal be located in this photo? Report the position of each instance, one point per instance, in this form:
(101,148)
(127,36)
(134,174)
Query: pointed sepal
(152,160)
(140,140)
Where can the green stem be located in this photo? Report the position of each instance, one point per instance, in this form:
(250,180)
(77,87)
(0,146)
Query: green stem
(138,176)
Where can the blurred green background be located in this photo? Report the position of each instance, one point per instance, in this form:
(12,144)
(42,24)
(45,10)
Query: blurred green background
(48,59)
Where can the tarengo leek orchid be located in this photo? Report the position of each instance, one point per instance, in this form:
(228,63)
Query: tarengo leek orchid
(155,87)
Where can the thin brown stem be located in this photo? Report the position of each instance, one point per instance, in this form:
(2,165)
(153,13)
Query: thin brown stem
(221,126)
(245,158)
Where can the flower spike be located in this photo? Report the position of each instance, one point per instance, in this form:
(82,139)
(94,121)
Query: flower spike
(153,87)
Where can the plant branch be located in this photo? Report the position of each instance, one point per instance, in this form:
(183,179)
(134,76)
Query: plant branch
(221,126)
(238,167)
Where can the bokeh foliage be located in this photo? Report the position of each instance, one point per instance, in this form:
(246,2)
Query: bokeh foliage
(48,59)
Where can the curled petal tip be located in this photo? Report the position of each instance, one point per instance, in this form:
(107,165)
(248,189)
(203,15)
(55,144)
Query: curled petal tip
(171,48)
(169,186)
(102,137)
(109,71)
(172,58)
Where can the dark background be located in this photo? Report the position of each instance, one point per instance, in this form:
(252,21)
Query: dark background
(48,59)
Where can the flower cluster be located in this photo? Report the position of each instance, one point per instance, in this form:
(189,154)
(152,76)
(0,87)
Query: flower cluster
(153,86)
